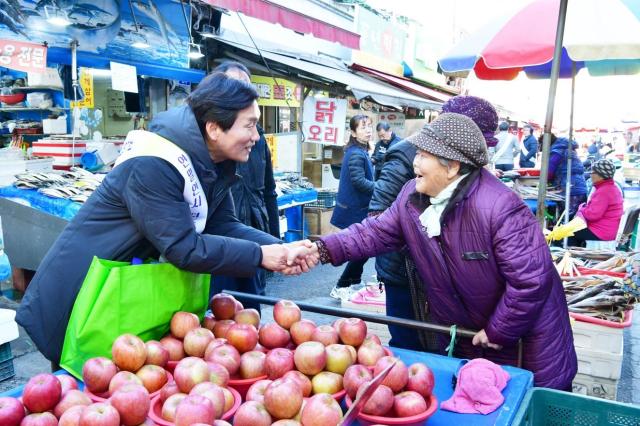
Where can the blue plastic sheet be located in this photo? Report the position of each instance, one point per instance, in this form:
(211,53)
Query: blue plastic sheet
(60,207)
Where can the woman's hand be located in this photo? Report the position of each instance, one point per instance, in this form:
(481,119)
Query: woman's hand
(481,339)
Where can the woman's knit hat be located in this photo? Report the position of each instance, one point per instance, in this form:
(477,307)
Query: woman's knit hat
(604,168)
(480,111)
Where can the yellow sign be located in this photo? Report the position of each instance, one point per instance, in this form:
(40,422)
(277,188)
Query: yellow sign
(281,94)
(273,147)
(86,82)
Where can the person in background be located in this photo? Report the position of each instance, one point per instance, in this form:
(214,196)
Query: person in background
(387,140)
(506,149)
(558,171)
(354,193)
(391,268)
(254,198)
(529,148)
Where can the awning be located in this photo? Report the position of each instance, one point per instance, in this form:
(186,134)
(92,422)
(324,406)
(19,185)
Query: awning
(289,18)
(327,74)
(404,83)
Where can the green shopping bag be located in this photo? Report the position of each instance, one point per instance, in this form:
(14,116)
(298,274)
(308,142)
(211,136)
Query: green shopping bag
(117,298)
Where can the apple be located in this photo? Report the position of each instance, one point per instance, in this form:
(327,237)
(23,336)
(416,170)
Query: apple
(221,328)
(243,337)
(252,364)
(272,336)
(128,352)
(356,376)
(196,341)
(218,374)
(41,393)
(310,358)
(97,374)
(189,372)
(67,383)
(286,422)
(123,378)
(170,405)
(372,338)
(421,380)
(256,390)
(227,356)
(39,419)
(398,376)
(325,334)
(339,358)
(278,362)
(11,411)
(195,409)
(303,381)
(100,414)
(223,306)
(352,331)
(261,348)
(301,331)
(285,313)
(174,346)
(214,344)
(409,403)
(239,305)
(72,398)
(380,402)
(353,352)
(369,353)
(156,353)
(183,322)
(214,394)
(220,423)
(132,402)
(71,417)
(248,316)
(252,413)
(229,400)
(321,410)
(283,399)
(153,377)
(326,382)
(171,388)
(336,324)
(209,321)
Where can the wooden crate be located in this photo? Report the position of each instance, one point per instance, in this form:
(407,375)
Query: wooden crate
(318,220)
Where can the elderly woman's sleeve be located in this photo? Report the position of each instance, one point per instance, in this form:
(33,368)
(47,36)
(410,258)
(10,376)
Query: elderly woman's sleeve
(524,261)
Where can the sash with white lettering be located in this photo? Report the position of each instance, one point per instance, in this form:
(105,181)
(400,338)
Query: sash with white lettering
(140,143)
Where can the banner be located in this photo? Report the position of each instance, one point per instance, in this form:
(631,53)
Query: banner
(86,82)
(324,120)
(273,147)
(283,94)
(22,56)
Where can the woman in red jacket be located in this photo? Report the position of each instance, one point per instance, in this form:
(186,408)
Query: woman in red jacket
(604,209)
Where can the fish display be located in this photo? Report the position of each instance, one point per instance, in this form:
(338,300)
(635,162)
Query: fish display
(76,184)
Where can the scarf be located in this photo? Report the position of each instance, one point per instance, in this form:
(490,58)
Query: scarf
(430,218)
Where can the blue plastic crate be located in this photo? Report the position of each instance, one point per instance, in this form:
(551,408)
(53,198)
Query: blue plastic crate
(304,195)
(285,199)
(6,362)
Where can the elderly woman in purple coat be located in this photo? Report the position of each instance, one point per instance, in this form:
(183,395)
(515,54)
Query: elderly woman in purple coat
(478,250)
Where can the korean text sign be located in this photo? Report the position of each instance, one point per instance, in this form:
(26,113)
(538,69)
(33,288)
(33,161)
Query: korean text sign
(324,120)
(22,56)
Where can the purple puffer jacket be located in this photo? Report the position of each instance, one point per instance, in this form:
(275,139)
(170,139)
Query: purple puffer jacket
(489,269)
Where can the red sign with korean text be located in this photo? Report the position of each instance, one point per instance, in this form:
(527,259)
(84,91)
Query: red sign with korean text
(22,56)
(324,120)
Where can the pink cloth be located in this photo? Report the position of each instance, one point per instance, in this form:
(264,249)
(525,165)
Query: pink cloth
(479,388)
(603,210)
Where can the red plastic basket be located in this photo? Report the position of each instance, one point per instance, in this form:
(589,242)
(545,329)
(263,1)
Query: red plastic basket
(628,317)
(243,385)
(155,411)
(417,420)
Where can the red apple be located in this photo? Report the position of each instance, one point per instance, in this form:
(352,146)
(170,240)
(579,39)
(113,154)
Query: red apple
(310,358)
(67,383)
(128,352)
(252,413)
(132,403)
(273,336)
(209,322)
(353,331)
(303,381)
(338,358)
(353,352)
(41,393)
(243,337)
(336,324)
(356,376)
(302,331)
(171,388)
(372,338)
(227,356)
(421,380)
(170,405)
(380,402)
(189,372)
(285,312)
(195,409)
(153,377)
(248,316)
(283,399)
(196,341)
(40,419)
(220,423)
(11,411)
(321,410)
(97,374)
(183,322)
(286,422)
(256,390)
(398,376)
(218,374)
(223,306)
(71,417)
(239,306)
(214,394)
(326,335)
(123,378)
(174,346)
(252,364)
(156,353)
(100,414)
(409,403)
(214,344)
(278,362)
(326,382)
(72,398)
(369,353)
(261,348)
(221,328)
(229,400)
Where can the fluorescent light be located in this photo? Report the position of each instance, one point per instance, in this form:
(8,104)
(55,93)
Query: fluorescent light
(59,21)
(140,45)
(100,72)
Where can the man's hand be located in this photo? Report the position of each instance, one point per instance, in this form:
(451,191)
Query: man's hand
(290,259)
(274,257)
(481,339)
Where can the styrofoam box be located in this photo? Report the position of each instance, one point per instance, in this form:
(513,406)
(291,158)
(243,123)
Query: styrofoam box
(596,337)
(9,169)
(606,365)
(54,127)
(595,386)
(8,326)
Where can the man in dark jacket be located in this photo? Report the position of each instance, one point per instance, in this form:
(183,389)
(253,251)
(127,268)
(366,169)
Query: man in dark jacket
(387,140)
(142,208)
(529,148)
(254,198)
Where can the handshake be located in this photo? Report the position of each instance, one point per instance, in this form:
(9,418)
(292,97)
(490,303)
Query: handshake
(291,258)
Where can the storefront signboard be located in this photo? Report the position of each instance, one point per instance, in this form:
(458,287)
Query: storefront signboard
(86,82)
(278,92)
(395,120)
(324,120)
(22,56)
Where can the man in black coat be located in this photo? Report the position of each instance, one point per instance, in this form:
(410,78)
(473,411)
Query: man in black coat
(387,140)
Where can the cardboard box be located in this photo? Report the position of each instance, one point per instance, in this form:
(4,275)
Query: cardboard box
(318,220)
(312,170)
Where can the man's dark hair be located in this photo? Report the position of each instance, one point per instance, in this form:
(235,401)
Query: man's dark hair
(530,129)
(218,99)
(232,65)
(383,125)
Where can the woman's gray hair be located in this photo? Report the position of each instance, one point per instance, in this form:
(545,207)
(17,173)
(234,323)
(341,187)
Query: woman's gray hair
(464,167)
